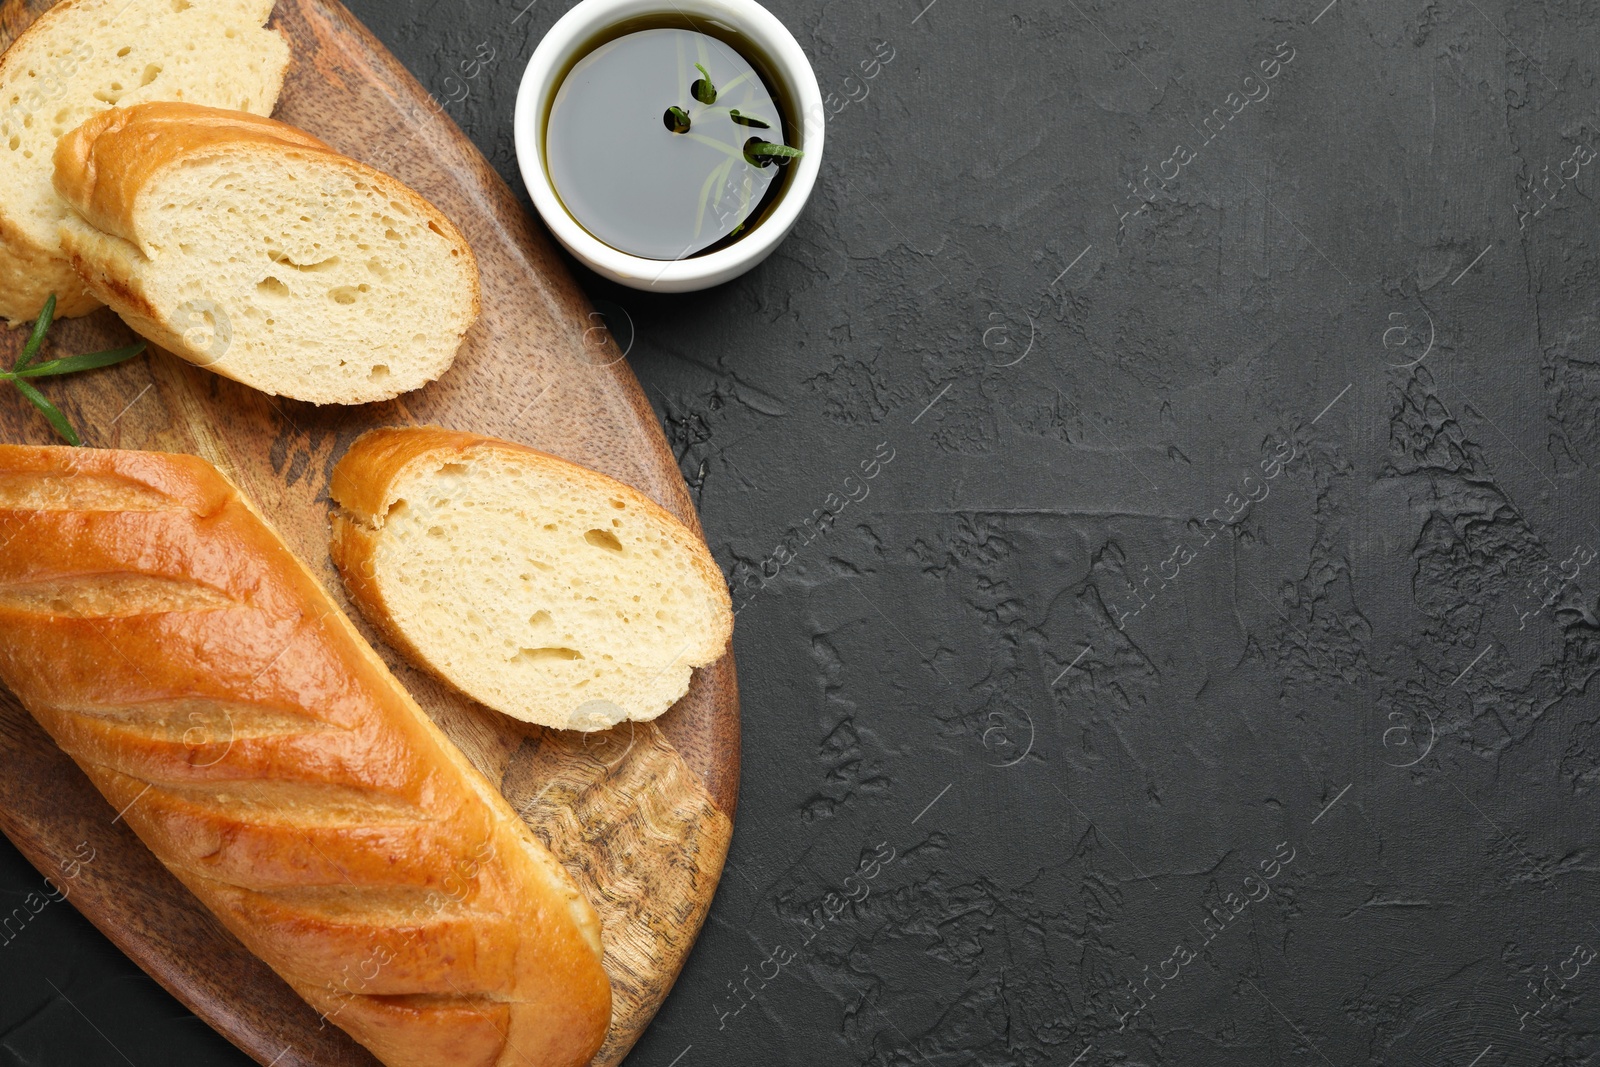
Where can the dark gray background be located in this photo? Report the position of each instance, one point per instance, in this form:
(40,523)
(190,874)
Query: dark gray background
(1357,671)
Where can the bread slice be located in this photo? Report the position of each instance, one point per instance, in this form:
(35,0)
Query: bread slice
(83,57)
(250,248)
(540,588)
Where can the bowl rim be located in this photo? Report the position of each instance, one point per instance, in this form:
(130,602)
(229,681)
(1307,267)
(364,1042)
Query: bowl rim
(579,25)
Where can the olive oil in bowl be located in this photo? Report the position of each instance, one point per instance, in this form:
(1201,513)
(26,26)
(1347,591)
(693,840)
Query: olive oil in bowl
(668,138)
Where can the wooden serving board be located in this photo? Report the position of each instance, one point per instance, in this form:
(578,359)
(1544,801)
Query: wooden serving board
(640,815)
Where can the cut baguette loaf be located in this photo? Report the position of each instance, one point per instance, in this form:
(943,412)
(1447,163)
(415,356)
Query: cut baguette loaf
(250,248)
(540,588)
(83,57)
(167,639)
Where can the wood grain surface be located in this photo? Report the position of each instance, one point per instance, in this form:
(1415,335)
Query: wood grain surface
(640,815)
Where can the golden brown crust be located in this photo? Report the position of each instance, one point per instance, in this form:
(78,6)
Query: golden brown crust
(362,481)
(362,484)
(101,167)
(30,273)
(24,267)
(197,672)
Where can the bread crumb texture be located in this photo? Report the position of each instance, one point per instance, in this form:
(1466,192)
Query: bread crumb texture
(303,274)
(568,601)
(83,57)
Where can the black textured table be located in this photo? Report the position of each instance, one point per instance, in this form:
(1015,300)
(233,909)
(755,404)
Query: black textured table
(1156,477)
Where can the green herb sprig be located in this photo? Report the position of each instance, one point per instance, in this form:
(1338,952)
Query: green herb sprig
(702,89)
(676,119)
(756,151)
(764,153)
(25,368)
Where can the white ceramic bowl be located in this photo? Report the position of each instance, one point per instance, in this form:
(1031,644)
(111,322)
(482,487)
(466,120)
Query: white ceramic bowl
(554,55)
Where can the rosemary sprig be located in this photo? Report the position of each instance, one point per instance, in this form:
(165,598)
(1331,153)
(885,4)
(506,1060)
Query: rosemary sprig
(755,152)
(765,153)
(26,368)
(36,338)
(702,89)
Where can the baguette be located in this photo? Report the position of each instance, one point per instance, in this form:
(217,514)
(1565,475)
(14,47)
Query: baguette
(540,588)
(167,639)
(251,248)
(83,57)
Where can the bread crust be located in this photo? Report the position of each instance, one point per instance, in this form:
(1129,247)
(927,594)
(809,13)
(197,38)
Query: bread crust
(169,641)
(103,167)
(363,487)
(29,273)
